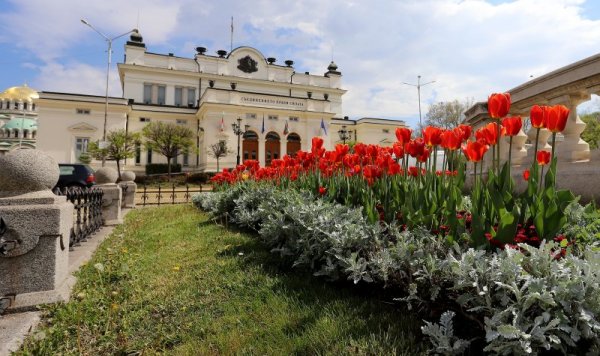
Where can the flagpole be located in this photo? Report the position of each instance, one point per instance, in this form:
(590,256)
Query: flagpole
(231,37)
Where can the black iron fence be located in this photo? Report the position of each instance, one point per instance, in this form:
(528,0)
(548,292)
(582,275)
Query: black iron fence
(87,215)
(161,194)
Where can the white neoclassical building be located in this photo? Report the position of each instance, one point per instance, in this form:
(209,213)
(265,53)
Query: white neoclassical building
(18,118)
(279,109)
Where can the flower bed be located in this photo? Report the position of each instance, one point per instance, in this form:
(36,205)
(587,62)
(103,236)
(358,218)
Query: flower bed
(520,269)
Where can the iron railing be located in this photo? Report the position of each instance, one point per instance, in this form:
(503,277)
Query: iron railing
(87,215)
(167,194)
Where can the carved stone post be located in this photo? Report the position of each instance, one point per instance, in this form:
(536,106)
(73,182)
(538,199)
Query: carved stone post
(35,226)
(572,148)
(128,187)
(106,178)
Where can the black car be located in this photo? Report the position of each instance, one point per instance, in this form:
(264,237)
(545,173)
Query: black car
(75,175)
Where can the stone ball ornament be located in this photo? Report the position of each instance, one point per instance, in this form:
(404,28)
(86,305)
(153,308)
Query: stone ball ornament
(127,176)
(106,175)
(27,170)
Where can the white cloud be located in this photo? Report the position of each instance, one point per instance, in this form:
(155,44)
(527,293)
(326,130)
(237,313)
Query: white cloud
(76,78)
(471,48)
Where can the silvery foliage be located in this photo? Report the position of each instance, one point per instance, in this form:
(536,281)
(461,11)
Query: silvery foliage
(442,336)
(525,301)
(583,224)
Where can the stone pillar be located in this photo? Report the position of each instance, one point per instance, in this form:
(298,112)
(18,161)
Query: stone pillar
(35,228)
(282,146)
(262,151)
(572,148)
(128,188)
(106,178)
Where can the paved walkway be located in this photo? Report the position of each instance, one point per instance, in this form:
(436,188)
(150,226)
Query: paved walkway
(15,327)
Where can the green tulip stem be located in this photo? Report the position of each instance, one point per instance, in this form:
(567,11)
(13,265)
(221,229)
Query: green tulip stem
(537,138)
(541,178)
(553,144)
(499,139)
(509,154)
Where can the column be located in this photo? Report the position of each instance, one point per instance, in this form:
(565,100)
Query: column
(282,146)
(572,148)
(261,150)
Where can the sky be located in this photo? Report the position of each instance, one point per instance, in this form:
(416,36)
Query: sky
(470,48)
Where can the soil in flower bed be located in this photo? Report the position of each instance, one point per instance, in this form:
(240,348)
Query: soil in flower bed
(169,281)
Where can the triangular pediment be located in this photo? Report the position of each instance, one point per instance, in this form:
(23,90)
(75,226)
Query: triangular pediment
(83,126)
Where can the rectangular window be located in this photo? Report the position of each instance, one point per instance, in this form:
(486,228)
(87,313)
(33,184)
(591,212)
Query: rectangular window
(293,118)
(81,145)
(162,94)
(181,122)
(138,153)
(147,93)
(176,159)
(144,119)
(149,157)
(273,117)
(178,96)
(386,130)
(191,97)
(250,116)
(82,111)
(186,159)
(25,104)
(16,105)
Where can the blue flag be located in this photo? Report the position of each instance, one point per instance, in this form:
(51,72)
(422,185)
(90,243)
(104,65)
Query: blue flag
(323,127)
(263,125)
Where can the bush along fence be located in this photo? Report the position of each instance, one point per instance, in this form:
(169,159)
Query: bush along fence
(87,204)
(162,194)
(520,270)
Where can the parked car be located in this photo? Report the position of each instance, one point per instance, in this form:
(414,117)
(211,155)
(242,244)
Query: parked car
(75,175)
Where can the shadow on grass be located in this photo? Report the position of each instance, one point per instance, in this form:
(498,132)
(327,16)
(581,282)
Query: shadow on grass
(369,310)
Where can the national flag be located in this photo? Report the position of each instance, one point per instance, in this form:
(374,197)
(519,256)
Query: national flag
(222,128)
(323,126)
(286,130)
(263,125)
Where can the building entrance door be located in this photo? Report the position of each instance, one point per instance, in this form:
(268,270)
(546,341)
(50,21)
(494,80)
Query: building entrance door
(272,148)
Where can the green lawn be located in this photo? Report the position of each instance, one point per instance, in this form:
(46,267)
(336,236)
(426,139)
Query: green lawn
(169,281)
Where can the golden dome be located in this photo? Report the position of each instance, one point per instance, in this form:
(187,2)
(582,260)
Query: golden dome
(23,93)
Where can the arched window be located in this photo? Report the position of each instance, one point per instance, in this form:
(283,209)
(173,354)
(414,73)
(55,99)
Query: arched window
(272,147)
(293,144)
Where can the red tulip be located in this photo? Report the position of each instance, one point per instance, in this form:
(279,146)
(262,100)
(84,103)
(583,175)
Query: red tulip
(451,139)
(543,157)
(537,116)
(322,190)
(474,150)
(488,134)
(432,136)
(424,156)
(465,131)
(557,117)
(398,150)
(403,135)
(498,105)
(526,174)
(415,147)
(512,125)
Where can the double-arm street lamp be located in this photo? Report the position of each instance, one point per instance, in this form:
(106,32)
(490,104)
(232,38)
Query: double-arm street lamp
(418,86)
(237,130)
(345,134)
(109,41)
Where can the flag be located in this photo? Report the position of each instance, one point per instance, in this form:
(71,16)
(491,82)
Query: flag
(323,127)
(222,128)
(263,125)
(285,130)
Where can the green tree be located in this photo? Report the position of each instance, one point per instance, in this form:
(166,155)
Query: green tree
(447,114)
(218,150)
(591,134)
(168,139)
(120,146)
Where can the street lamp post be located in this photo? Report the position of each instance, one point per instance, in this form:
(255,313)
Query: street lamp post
(344,134)
(237,130)
(418,86)
(109,41)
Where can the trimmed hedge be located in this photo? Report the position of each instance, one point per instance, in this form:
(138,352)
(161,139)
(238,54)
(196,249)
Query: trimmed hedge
(162,168)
